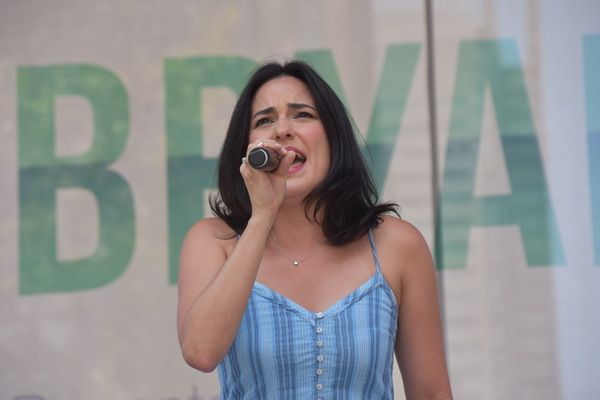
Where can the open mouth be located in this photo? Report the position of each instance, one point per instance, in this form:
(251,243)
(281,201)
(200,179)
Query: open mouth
(300,159)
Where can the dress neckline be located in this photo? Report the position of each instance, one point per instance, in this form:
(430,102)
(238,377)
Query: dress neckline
(376,280)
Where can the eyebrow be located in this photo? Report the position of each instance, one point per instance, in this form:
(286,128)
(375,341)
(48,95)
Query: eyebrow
(295,106)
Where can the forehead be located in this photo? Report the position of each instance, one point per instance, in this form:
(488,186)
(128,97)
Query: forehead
(281,90)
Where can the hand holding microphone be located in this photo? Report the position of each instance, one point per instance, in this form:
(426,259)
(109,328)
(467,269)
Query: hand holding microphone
(274,159)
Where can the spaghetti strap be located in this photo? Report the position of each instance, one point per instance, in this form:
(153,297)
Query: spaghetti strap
(374,250)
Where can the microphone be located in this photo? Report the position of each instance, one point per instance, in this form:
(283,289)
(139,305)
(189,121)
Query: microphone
(263,158)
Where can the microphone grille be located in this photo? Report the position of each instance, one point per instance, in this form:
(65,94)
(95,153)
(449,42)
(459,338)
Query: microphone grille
(258,158)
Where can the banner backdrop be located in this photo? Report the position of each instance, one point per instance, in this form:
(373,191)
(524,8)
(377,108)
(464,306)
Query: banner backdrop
(112,114)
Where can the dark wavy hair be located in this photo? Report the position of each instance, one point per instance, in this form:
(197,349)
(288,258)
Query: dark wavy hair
(345,202)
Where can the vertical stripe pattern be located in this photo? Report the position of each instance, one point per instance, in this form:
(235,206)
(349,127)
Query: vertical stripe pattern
(283,351)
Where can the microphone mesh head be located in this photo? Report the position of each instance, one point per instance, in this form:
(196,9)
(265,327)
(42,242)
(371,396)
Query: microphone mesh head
(258,158)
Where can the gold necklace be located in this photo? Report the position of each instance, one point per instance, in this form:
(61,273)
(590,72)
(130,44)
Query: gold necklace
(294,262)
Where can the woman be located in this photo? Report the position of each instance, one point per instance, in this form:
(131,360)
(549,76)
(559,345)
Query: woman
(303,286)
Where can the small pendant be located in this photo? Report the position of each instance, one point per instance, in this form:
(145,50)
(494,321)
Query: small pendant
(296,263)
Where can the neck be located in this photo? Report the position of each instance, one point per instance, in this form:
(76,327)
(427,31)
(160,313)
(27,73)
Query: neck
(294,230)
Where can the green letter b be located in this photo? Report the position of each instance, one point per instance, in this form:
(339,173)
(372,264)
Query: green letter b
(42,174)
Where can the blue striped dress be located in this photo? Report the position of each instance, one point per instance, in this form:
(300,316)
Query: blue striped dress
(283,351)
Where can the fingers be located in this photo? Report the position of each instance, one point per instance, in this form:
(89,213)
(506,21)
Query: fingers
(286,162)
(260,182)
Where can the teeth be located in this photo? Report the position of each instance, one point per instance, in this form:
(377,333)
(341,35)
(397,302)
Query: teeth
(300,157)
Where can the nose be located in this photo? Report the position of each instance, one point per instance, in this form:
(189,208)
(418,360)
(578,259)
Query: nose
(283,130)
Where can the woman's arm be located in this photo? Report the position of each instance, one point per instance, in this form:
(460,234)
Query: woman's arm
(420,344)
(214,289)
(216,276)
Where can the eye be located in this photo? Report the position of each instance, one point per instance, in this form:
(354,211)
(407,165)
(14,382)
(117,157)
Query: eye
(304,114)
(262,121)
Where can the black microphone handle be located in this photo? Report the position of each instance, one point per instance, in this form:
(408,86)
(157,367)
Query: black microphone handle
(263,158)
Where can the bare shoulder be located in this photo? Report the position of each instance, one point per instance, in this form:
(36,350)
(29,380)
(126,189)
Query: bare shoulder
(209,232)
(400,235)
(211,228)
(402,251)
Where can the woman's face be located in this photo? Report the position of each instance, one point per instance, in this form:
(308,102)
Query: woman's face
(283,110)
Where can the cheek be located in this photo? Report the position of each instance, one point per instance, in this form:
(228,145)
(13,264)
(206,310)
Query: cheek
(256,135)
(255,138)
(324,155)
(316,135)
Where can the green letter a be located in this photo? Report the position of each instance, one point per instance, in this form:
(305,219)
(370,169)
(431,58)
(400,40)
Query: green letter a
(495,63)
